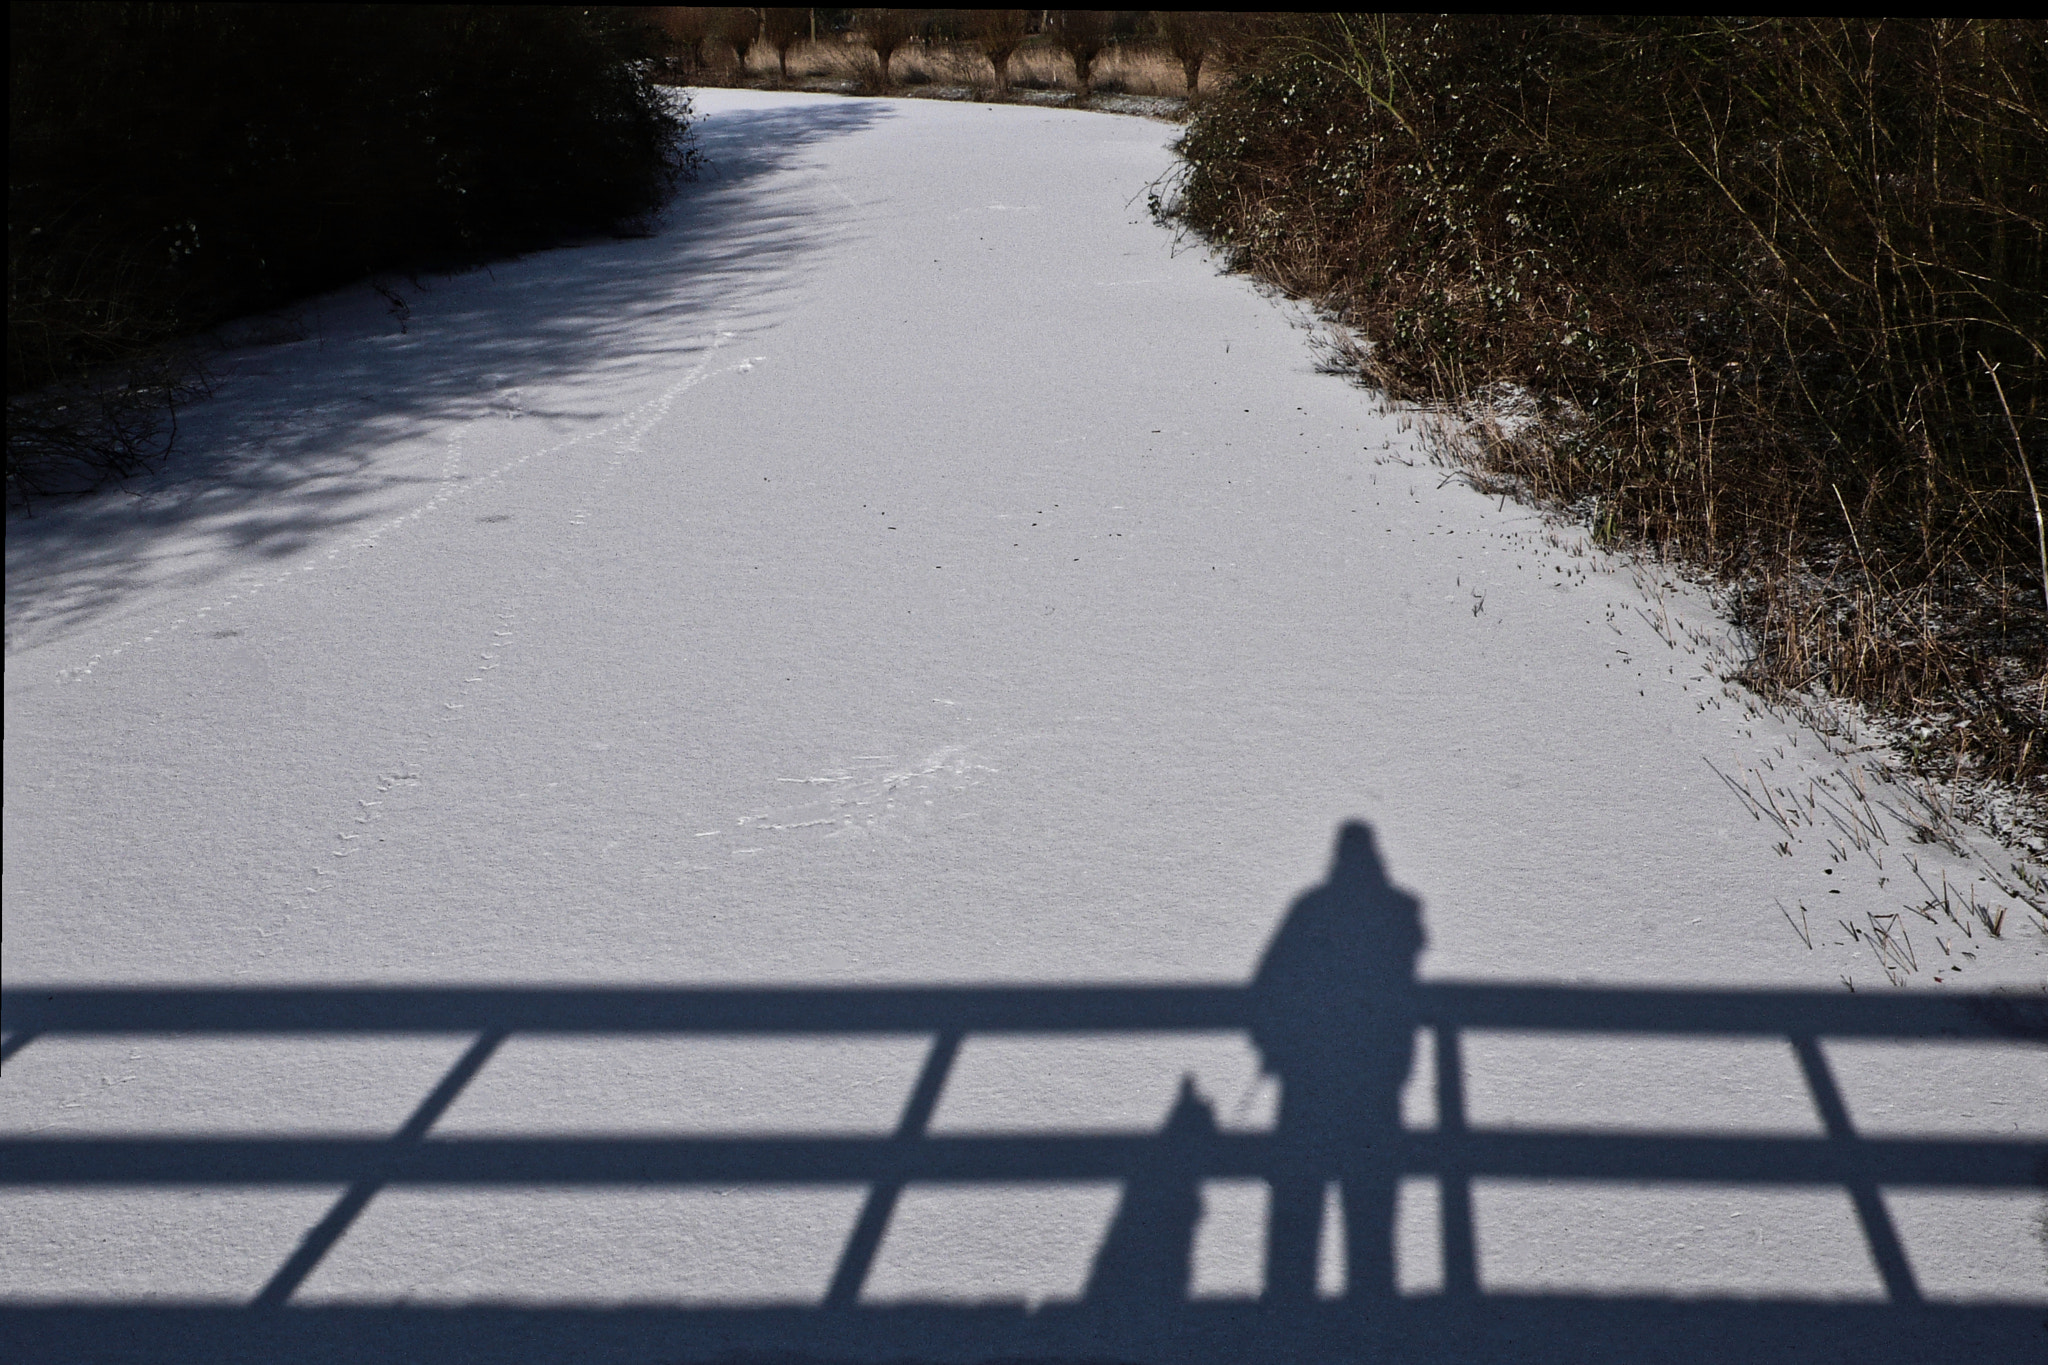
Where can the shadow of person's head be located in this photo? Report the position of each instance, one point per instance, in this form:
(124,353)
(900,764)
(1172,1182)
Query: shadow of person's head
(1357,923)
(1357,861)
(1342,962)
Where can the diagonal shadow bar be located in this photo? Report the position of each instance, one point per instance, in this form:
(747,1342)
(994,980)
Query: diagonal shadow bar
(314,1247)
(1886,1252)
(866,1238)
(13,1043)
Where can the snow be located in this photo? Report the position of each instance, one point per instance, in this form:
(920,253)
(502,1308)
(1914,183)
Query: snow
(912,567)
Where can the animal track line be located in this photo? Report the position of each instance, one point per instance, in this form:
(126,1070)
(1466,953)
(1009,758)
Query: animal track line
(450,487)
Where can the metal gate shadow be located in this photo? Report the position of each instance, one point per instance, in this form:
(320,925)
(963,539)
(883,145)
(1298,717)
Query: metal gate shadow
(1128,1321)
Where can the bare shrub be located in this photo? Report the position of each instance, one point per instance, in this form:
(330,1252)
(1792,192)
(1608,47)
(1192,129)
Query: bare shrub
(78,435)
(1772,284)
(457,135)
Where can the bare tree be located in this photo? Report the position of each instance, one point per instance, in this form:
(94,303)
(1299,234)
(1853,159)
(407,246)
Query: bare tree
(999,33)
(1081,33)
(1189,36)
(884,30)
(783,29)
(741,28)
(686,27)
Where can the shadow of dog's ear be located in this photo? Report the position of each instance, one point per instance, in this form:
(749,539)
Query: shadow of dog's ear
(1192,1113)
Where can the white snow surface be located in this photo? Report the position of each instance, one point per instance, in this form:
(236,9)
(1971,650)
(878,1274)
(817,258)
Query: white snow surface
(907,566)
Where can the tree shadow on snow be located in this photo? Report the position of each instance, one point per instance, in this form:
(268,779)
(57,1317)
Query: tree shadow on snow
(1332,1010)
(309,401)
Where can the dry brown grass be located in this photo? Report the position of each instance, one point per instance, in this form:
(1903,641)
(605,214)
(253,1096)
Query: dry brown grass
(1774,288)
(1127,69)
(1131,68)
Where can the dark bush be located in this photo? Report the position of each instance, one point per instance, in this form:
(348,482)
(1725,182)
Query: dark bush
(171,165)
(1759,275)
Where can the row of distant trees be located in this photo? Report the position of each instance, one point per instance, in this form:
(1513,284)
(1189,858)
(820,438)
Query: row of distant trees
(1191,36)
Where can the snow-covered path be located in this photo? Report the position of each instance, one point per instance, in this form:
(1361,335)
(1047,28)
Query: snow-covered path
(906,568)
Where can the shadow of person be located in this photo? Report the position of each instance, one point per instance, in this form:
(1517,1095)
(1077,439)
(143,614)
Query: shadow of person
(1334,1015)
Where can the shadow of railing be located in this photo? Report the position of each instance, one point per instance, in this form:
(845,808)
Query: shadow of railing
(1459,1322)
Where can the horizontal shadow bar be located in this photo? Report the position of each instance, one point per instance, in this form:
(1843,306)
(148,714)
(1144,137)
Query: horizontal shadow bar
(30,1009)
(470,1161)
(1582,1329)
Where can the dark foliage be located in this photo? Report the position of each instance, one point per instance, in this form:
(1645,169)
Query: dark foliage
(171,165)
(1758,276)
